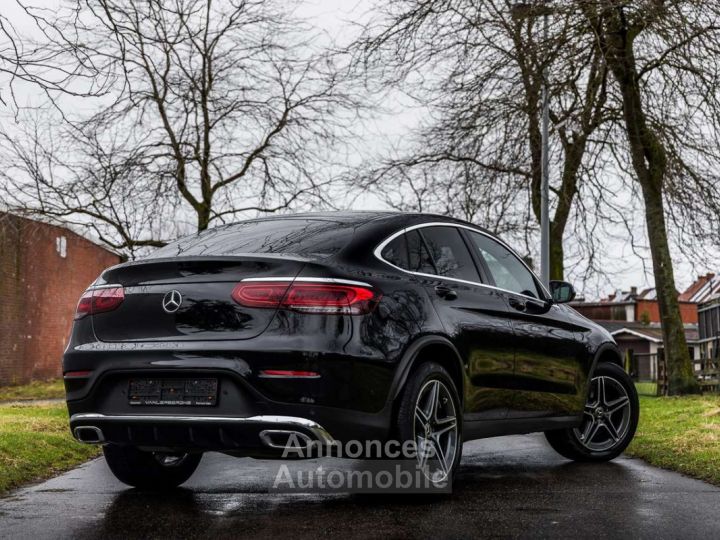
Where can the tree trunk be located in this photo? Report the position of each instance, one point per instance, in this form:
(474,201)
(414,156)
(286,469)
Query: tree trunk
(680,373)
(203,216)
(650,163)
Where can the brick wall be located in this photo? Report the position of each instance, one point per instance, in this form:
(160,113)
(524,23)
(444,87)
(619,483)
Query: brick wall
(43,271)
(688,311)
(612,312)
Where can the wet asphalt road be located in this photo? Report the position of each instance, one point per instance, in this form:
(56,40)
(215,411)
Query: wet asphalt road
(506,487)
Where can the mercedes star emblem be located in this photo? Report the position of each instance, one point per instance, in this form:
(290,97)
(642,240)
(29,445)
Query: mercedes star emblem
(171,301)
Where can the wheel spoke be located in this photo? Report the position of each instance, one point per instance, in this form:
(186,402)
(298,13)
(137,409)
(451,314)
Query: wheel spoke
(435,400)
(443,421)
(420,416)
(602,395)
(442,459)
(448,424)
(618,404)
(611,430)
(589,432)
(426,403)
(423,451)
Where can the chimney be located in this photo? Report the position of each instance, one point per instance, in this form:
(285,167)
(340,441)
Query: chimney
(633,292)
(689,293)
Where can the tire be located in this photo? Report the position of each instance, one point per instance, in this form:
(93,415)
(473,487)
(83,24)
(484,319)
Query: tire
(149,470)
(418,392)
(608,424)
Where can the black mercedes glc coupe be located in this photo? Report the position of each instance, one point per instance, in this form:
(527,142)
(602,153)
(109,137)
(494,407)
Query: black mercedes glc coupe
(363,326)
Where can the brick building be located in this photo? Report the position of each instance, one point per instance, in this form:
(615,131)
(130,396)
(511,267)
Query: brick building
(633,318)
(43,270)
(637,306)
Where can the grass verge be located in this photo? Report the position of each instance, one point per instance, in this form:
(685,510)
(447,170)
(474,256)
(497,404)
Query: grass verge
(646,388)
(53,389)
(681,434)
(35,443)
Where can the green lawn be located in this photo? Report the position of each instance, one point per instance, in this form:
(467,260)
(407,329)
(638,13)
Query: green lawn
(35,390)
(646,388)
(680,433)
(35,443)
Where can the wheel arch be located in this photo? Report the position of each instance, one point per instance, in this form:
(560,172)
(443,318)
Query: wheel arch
(608,352)
(437,348)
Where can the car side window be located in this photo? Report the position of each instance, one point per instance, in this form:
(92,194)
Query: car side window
(396,252)
(450,254)
(418,257)
(506,269)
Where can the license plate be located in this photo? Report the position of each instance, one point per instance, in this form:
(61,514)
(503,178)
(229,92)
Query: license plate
(187,392)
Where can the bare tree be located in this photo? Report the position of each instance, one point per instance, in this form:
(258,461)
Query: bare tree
(479,68)
(216,108)
(661,54)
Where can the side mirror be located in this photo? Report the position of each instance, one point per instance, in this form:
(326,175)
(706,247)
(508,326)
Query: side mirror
(562,292)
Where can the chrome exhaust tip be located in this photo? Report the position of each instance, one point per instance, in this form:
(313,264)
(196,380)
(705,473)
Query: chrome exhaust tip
(285,439)
(89,434)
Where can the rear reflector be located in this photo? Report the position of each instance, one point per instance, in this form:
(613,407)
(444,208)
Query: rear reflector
(99,300)
(77,374)
(288,374)
(307,297)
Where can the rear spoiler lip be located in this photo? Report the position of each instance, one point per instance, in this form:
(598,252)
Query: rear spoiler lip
(202,258)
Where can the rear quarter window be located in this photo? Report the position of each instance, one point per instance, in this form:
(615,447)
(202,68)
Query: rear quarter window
(396,252)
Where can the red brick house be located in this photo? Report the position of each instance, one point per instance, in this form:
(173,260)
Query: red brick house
(633,318)
(43,270)
(638,306)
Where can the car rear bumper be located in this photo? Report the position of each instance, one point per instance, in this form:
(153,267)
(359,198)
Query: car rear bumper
(246,407)
(254,435)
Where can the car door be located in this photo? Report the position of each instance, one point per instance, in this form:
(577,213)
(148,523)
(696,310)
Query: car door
(474,315)
(547,364)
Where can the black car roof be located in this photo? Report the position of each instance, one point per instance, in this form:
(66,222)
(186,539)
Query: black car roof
(358,216)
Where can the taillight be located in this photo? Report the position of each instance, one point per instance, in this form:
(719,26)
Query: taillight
(307,297)
(99,300)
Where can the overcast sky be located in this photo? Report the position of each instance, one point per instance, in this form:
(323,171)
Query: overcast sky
(337,18)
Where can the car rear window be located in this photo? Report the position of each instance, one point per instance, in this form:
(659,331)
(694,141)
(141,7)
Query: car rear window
(307,237)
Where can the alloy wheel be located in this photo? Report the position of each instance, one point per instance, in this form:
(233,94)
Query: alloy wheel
(606,415)
(435,430)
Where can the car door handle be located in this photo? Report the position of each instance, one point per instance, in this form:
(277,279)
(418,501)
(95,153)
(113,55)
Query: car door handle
(520,305)
(446,292)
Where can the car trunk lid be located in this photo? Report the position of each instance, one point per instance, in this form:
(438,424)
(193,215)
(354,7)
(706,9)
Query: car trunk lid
(188,299)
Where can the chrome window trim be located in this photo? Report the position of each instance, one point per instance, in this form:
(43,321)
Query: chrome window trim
(311,280)
(378,255)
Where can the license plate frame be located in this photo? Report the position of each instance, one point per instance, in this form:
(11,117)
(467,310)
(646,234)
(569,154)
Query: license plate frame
(173,392)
